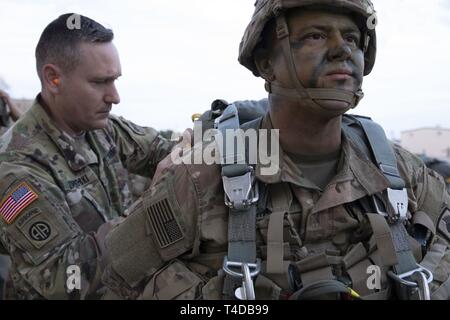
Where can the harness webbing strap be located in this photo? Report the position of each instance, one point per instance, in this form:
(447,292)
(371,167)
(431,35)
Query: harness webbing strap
(382,152)
(383,238)
(281,202)
(395,211)
(238,183)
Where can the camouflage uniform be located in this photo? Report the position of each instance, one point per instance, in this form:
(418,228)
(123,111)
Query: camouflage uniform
(74,188)
(4,259)
(138,184)
(325,230)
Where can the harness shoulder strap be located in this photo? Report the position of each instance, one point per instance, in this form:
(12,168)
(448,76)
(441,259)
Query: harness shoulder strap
(383,152)
(241,197)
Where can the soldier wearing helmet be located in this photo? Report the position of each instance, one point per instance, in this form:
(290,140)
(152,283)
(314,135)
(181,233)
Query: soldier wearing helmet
(440,166)
(346,215)
(443,168)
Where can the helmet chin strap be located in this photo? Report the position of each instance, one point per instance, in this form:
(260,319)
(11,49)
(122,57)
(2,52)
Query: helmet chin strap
(310,96)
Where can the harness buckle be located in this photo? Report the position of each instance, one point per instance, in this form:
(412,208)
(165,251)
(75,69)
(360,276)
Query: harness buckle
(239,194)
(423,278)
(248,272)
(399,202)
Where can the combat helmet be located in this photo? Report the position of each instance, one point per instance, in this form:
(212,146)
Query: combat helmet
(266,10)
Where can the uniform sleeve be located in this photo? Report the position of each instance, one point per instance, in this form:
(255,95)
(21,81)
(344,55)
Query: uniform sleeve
(165,223)
(434,200)
(430,201)
(52,257)
(140,148)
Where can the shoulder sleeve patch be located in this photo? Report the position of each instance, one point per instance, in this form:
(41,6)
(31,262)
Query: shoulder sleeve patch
(165,226)
(443,224)
(34,224)
(16,201)
(171,229)
(38,230)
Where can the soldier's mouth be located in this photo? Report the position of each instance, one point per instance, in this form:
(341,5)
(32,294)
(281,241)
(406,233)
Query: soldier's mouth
(339,74)
(105,111)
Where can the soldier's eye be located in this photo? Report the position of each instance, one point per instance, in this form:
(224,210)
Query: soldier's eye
(315,36)
(351,39)
(102,81)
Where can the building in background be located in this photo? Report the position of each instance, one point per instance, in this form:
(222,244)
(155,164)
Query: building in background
(432,142)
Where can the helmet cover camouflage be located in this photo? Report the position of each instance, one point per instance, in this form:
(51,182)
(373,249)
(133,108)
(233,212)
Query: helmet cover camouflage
(266,10)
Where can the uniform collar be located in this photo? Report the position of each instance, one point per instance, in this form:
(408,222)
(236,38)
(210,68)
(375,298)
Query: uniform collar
(356,178)
(75,153)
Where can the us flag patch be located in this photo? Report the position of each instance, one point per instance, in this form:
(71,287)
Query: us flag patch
(16,201)
(165,226)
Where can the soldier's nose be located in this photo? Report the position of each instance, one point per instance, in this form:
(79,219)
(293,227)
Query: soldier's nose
(339,49)
(112,96)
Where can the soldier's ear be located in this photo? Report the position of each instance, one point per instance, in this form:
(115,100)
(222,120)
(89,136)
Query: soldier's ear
(51,78)
(264,65)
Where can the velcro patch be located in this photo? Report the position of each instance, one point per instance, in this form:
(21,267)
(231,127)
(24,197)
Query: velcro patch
(39,231)
(165,226)
(20,198)
(443,224)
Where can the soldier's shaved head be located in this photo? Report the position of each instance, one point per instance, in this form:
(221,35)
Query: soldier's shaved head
(59,42)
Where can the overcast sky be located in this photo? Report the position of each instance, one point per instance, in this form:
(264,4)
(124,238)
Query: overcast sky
(177,56)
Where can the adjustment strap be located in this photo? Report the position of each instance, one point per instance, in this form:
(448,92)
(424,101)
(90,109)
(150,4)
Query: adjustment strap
(318,94)
(281,202)
(283,36)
